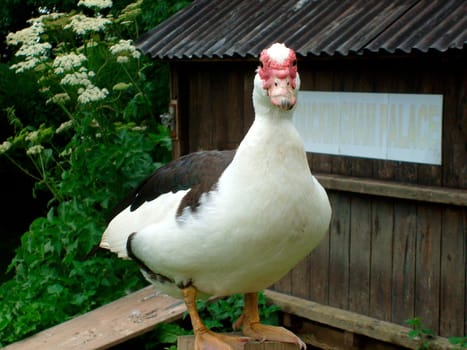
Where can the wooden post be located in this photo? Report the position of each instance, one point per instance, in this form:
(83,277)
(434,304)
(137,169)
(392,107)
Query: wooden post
(187,342)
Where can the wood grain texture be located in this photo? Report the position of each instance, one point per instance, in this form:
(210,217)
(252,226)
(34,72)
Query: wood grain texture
(108,325)
(427,273)
(381,260)
(350,321)
(452,283)
(403,264)
(339,252)
(319,270)
(360,255)
(187,342)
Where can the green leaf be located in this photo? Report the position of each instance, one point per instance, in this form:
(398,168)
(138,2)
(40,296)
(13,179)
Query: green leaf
(414,334)
(168,333)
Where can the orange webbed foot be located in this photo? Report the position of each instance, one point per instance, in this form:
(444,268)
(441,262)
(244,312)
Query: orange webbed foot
(263,332)
(250,324)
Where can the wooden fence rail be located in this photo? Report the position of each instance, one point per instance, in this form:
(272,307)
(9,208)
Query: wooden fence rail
(137,313)
(109,325)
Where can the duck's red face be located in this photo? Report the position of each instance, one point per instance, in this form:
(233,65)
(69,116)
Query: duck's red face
(278,71)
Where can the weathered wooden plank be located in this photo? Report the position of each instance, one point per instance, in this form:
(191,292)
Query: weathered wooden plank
(395,190)
(339,251)
(196,140)
(360,253)
(341,165)
(108,325)
(429,175)
(331,338)
(406,173)
(403,265)
(383,169)
(187,342)
(182,95)
(319,163)
(350,321)
(284,285)
(220,101)
(381,260)
(319,272)
(174,96)
(300,277)
(428,266)
(453,257)
(233,104)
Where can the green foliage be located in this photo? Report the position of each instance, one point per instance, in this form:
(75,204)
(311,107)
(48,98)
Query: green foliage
(155,12)
(425,335)
(420,333)
(221,314)
(460,342)
(94,138)
(167,333)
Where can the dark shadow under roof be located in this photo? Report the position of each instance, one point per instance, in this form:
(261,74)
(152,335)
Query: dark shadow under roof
(242,28)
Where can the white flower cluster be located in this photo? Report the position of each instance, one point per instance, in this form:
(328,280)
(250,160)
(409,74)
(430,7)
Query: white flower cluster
(66,152)
(31,48)
(36,149)
(5,146)
(91,94)
(34,50)
(59,98)
(80,78)
(124,49)
(129,13)
(64,126)
(68,62)
(81,24)
(27,35)
(32,136)
(28,64)
(98,4)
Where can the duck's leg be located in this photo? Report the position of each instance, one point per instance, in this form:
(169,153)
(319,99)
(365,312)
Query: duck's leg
(204,338)
(250,324)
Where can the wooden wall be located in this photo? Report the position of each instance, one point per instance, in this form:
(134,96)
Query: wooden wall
(387,256)
(389,259)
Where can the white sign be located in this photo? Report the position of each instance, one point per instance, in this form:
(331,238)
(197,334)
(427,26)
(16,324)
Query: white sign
(402,127)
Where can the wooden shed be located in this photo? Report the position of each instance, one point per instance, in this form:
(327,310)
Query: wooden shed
(397,242)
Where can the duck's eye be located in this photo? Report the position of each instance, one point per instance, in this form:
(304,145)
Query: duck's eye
(294,63)
(261,64)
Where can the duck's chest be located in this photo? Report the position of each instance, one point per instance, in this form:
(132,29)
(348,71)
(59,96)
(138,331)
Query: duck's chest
(270,195)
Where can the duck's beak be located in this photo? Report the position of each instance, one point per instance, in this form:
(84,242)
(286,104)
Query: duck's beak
(282,94)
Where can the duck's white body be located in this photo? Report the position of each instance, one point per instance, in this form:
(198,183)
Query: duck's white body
(263,216)
(266,213)
(219,223)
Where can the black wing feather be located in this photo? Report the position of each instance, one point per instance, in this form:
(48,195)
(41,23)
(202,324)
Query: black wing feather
(198,171)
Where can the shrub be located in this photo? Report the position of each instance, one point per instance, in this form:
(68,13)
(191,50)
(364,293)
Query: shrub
(102,142)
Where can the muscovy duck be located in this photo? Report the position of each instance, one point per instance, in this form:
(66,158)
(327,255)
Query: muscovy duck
(224,222)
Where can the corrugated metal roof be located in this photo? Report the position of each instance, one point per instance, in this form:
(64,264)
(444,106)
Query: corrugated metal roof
(241,28)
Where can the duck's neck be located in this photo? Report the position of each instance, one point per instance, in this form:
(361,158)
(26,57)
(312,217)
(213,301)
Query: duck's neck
(271,131)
